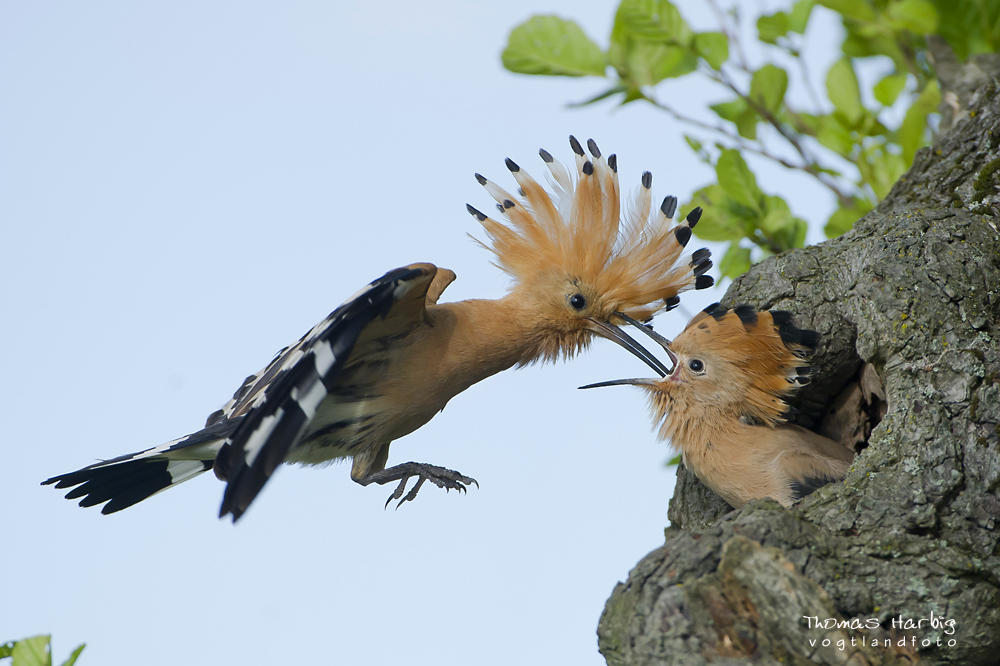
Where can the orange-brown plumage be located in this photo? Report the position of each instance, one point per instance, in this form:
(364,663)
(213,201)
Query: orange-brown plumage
(576,242)
(753,362)
(723,406)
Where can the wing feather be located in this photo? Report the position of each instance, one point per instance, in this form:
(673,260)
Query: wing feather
(283,407)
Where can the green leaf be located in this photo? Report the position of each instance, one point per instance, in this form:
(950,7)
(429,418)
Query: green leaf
(870,126)
(767,87)
(32,651)
(799,17)
(807,123)
(841,221)
(740,113)
(778,217)
(780,227)
(737,180)
(620,39)
(657,20)
(735,262)
(845,217)
(911,132)
(888,89)
(770,28)
(649,63)
(551,46)
(835,136)
(918,16)
(842,87)
(886,168)
(650,42)
(854,9)
(730,110)
(713,47)
(633,94)
(798,235)
(76,655)
(746,125)
(719,221)
(676,460)
(857,45)
(969,26)
(7,649)
(699,150)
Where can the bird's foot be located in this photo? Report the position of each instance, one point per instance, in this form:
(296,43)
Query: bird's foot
(441,477)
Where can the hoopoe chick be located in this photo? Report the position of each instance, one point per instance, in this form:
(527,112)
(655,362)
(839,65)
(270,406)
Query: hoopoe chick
(723,406)
(390,358)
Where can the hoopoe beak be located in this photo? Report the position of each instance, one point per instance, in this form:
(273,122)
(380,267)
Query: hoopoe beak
(612,332)
(623,382)
(659,339)
(659,367)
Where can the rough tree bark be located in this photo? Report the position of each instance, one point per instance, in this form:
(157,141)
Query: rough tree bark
(914,291)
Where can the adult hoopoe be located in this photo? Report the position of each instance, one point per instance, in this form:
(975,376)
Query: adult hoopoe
(722,406)
(390,358)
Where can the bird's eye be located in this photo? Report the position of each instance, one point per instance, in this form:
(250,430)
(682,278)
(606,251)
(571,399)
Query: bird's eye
(696,366)
(578,301)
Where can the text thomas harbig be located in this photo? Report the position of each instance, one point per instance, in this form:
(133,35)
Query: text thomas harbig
(947,626)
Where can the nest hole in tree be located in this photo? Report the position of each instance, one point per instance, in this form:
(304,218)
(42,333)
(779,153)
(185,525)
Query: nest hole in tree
(855,410)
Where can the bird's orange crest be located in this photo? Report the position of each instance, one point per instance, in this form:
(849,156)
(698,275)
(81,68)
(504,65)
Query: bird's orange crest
(630,259)
(744,362)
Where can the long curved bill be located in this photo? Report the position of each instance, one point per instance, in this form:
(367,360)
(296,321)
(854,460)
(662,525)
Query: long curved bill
(644,355)
(648,330)
(622,382)
(621,338)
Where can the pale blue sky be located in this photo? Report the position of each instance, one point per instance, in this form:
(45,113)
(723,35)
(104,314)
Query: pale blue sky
(187,187)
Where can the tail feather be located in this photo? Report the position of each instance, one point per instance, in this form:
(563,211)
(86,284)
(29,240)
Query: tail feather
(129,479)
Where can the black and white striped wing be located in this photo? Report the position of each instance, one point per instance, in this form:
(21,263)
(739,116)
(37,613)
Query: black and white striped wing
(279,403)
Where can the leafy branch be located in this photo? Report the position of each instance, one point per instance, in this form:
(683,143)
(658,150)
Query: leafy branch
(34,651)
(843,142)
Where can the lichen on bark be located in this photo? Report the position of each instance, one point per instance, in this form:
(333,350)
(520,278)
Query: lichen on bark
(913,290)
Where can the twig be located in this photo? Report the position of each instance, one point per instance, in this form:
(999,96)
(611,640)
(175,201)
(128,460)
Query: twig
(811,163)
(731,36)
(807,80)
(735,138)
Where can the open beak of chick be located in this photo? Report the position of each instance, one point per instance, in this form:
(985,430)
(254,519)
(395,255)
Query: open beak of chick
(617,335)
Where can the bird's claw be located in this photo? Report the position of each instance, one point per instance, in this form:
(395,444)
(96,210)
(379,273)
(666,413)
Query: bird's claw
(441,477)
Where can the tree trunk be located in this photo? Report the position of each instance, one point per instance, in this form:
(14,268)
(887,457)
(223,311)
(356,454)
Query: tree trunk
(913,290)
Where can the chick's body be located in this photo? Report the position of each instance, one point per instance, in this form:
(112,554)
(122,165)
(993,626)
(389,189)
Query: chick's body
(723,406)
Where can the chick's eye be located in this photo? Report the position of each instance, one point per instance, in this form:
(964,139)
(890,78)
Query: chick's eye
(696,365)
(578,301)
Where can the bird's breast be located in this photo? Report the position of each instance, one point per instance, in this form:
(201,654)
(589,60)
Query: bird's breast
(376,399)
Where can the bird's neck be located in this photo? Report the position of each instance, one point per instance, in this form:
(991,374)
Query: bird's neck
(689,424)
(487,336)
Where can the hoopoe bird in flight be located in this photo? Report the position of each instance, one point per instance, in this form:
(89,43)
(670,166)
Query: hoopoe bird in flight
(391,357)
(723,406)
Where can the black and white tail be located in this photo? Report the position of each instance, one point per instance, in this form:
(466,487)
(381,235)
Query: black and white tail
(129,479)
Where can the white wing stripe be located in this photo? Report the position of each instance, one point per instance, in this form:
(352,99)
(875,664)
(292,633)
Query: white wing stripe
(261,435)
(310,401)
(182,470)
(149,453)
(324,357)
